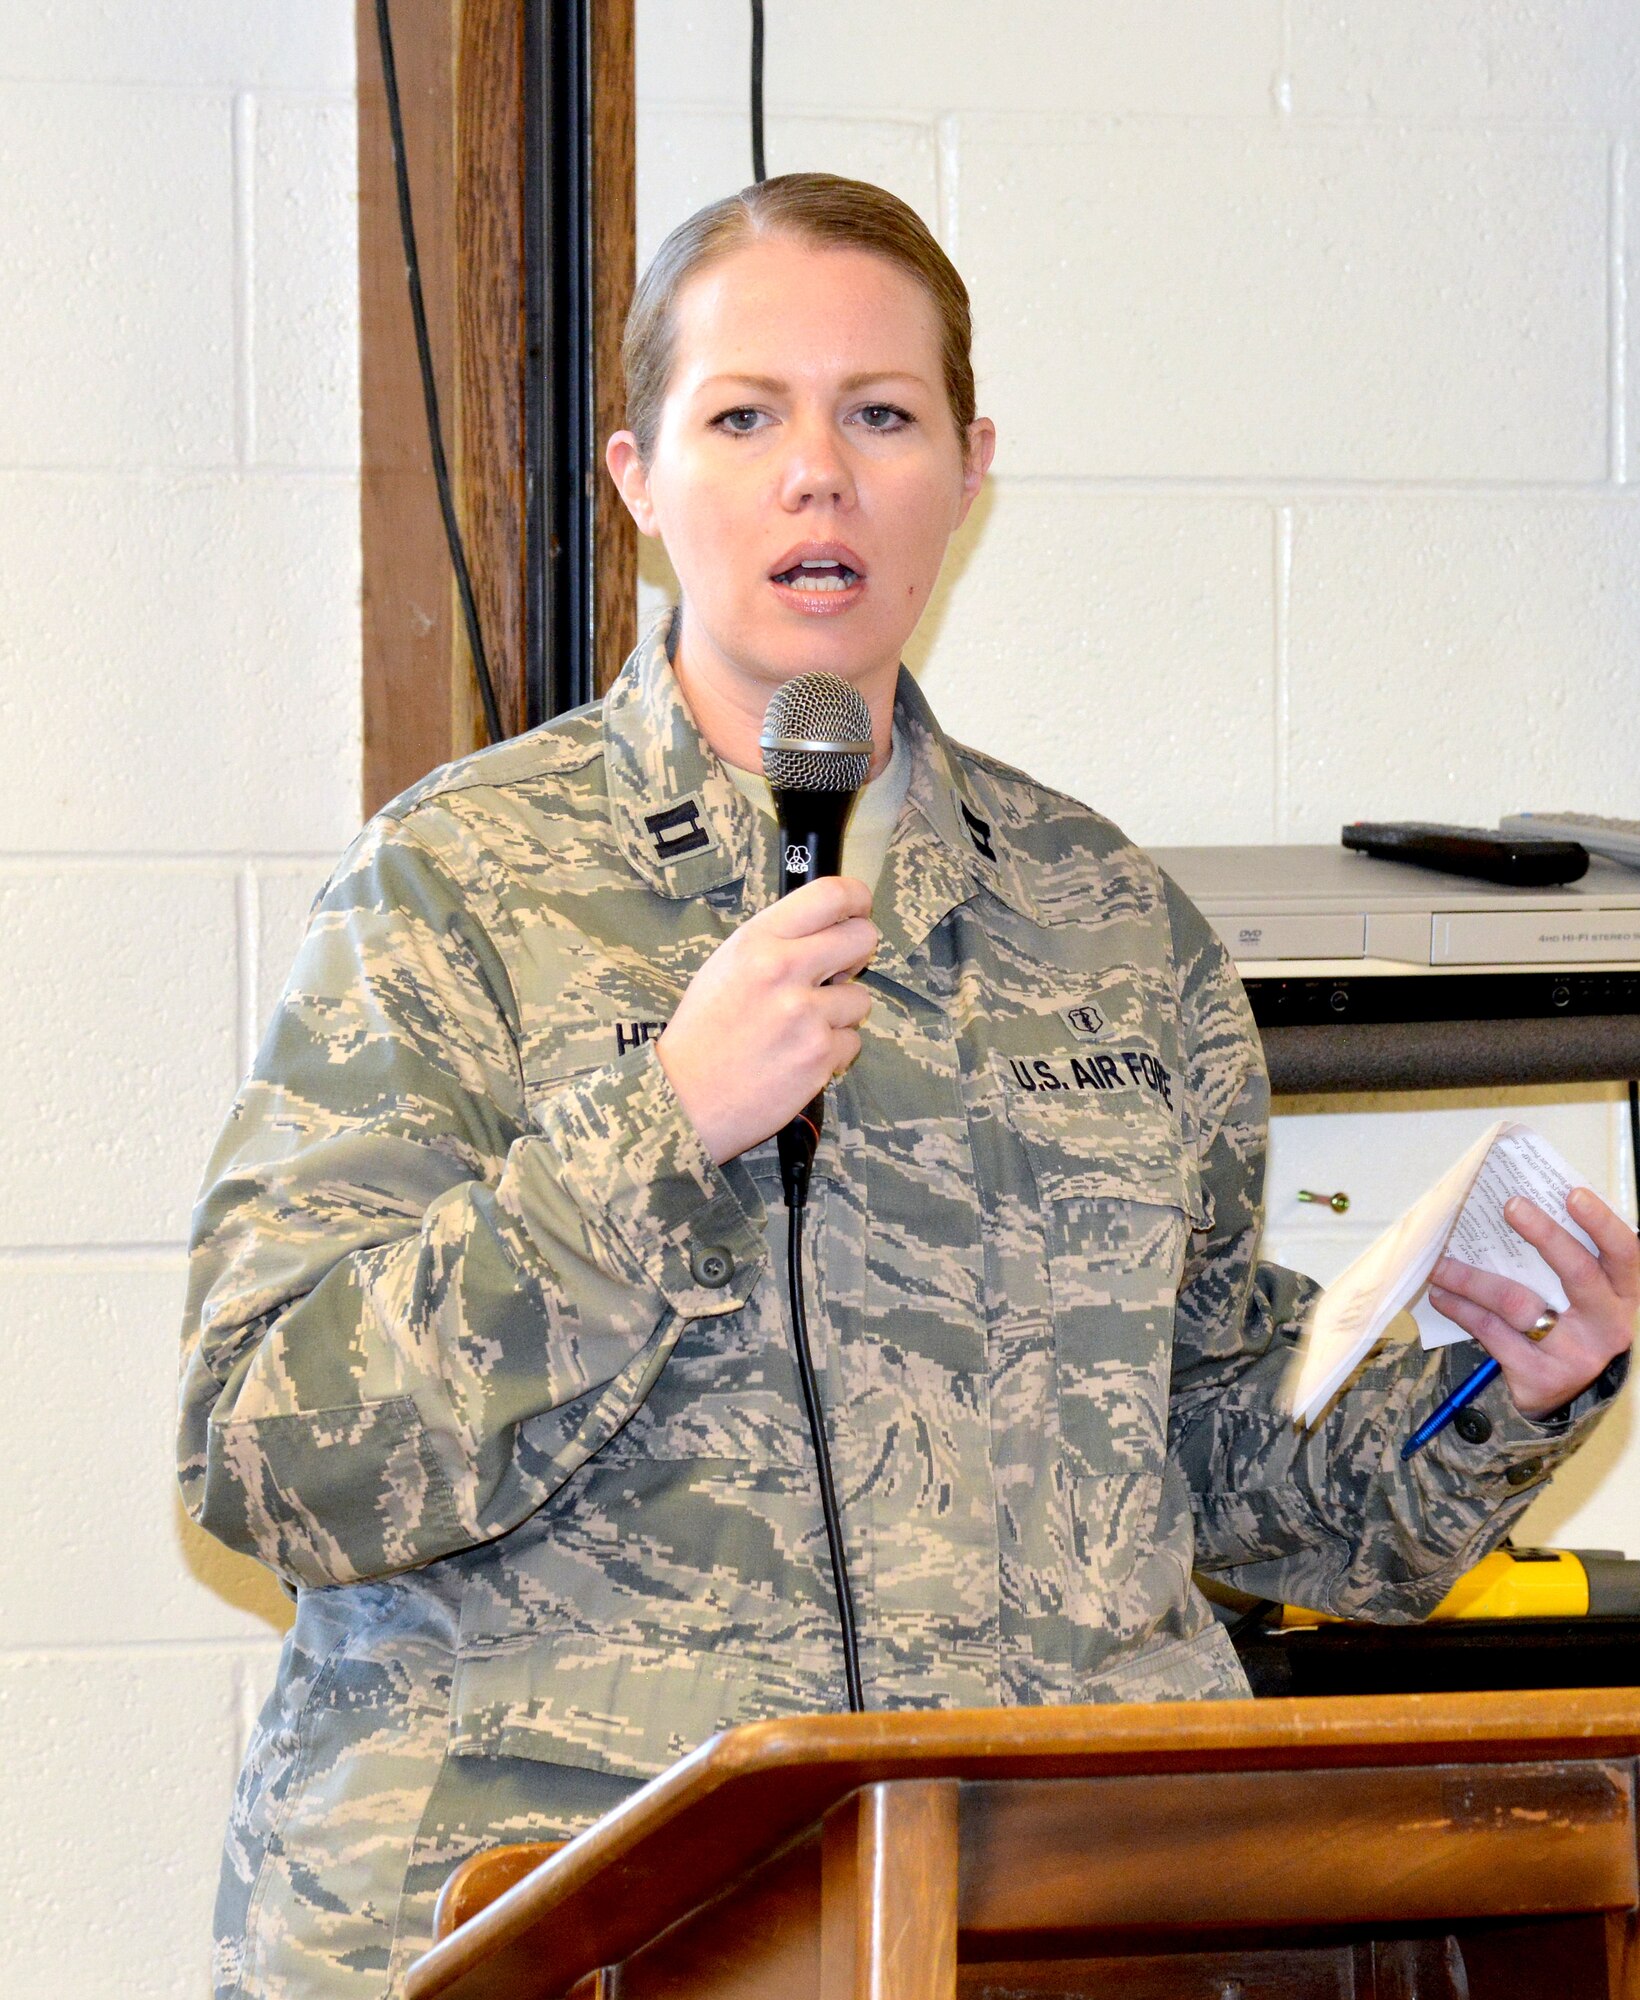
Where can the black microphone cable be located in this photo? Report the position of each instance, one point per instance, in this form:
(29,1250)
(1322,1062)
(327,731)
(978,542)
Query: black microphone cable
(429,386)
(795,1202)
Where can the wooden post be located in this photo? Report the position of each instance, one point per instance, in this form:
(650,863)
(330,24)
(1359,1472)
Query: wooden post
(614,254)
(408,604)
(486,426)
(463,97)
(888,1898)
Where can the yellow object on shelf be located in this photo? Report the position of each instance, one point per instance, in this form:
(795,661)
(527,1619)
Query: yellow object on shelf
(1529,1583)
(1509,1583)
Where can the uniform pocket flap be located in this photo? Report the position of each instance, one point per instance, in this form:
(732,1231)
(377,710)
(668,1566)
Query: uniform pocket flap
(1120,1145)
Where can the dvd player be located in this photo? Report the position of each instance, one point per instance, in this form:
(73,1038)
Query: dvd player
(1366,974)
(1327,903)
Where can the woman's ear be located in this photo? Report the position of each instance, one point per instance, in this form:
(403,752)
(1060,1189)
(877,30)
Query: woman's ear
(979,449)
(626,468)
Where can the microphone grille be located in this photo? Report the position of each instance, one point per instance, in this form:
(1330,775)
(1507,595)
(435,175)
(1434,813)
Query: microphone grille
(816,736)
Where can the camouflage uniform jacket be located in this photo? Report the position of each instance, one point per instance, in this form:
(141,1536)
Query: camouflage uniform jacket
(474,1315)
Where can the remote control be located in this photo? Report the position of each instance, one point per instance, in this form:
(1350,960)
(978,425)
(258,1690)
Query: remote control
(1617,839)
(1520,860)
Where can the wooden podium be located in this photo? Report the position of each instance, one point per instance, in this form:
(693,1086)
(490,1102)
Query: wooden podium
(1421,1847)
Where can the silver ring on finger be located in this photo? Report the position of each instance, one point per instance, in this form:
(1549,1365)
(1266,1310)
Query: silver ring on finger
(1546,1322)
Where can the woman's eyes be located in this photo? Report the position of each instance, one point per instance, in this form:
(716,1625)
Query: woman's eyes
(882,418)
(885,417)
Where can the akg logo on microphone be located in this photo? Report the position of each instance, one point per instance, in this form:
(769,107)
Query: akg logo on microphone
(797,860)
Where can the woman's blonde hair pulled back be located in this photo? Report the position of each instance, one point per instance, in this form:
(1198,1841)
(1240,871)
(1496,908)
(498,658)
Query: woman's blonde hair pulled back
(816,208)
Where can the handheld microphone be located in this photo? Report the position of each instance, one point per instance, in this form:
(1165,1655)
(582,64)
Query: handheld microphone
(816,745)
(816,755)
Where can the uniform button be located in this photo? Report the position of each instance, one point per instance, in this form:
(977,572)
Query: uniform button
(1524,1473)
(1472,1425)
(711,1264)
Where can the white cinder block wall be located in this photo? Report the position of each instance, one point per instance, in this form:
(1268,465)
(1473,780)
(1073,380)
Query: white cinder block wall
(179,689)
(1306,330)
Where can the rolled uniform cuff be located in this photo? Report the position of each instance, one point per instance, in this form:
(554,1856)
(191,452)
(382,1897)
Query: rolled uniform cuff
(1491,1439)
(619,1142)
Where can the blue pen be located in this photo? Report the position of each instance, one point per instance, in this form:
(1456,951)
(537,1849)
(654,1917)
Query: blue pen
(1443,1413)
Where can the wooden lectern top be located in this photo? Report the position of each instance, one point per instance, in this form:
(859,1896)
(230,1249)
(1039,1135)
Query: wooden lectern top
(1556,1833)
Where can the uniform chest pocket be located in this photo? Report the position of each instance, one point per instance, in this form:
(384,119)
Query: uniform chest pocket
(1119,1193)
(1096,1141)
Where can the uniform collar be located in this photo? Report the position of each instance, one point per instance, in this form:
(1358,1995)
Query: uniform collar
(680,822)
(962,807)
(685,829)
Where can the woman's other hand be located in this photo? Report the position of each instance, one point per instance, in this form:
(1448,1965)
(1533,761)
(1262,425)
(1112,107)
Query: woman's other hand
(1603,1293)
(762,1027)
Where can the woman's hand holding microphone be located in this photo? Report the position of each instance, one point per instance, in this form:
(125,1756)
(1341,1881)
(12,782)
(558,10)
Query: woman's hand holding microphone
(773,1015)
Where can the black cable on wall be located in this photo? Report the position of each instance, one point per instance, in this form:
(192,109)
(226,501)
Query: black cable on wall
(429,386)
(1634,1141)
(564,464)
(760,170)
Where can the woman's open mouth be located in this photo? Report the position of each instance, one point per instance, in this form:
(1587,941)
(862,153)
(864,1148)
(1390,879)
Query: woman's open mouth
(818,576)
(819,584)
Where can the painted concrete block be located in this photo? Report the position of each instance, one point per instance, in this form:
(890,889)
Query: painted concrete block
(102,1552)
(117,1775)
(296,45)
(1116,647)
(117,238)
(1119,56)
(1317,302)
(1589,1504)
(118,1052)
(1455,659)
(1573,61)
(304,334)
(185,662)
(1385,1151)
(687,158)
(1320,1257)
(1626,452)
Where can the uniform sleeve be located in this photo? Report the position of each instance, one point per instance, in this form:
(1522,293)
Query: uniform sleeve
(1326,1517)
(416,1305)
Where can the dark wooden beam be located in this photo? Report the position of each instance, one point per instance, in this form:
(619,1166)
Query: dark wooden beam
(462,86)
(408,604)
(614,253)
(488,459)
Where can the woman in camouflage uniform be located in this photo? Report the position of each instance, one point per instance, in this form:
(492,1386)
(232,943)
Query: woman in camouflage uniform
(487,1348)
